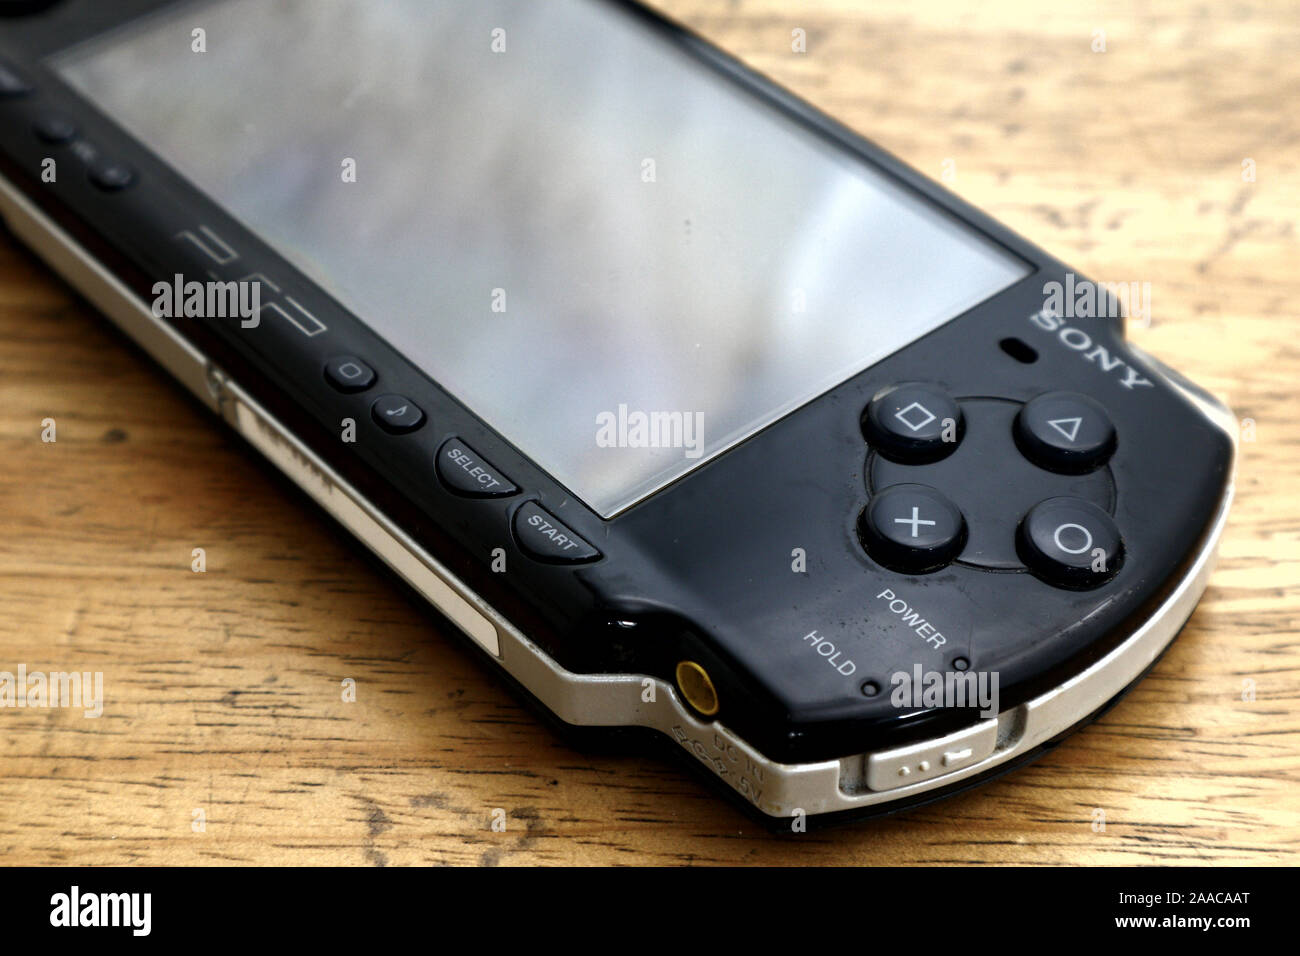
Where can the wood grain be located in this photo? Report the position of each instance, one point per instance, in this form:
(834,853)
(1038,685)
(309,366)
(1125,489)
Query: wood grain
(223,688)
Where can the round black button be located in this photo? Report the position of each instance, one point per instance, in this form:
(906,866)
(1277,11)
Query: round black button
(1065,432)
(348,373)
(1070,542)
(913,424)
(397,414)
(111,175)
(912,528)
(53,128)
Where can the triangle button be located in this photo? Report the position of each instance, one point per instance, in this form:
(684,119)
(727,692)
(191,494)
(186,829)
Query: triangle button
(1069,427)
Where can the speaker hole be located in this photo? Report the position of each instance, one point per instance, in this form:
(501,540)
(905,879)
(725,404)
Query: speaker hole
(1018,350)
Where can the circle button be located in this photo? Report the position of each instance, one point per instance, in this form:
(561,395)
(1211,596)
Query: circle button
(913,423)
(1065,432)
(1070,543)
(912,528)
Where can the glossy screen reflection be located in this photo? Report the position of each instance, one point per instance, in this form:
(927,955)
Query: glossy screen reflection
(582,227)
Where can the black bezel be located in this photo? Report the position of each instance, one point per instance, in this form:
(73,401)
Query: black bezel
(702,568)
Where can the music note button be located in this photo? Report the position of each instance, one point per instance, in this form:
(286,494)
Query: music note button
(396,414)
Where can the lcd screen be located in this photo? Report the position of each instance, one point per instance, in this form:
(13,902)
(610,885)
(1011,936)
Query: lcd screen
(618,259)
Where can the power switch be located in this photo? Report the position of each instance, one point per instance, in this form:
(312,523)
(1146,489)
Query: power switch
(914,763)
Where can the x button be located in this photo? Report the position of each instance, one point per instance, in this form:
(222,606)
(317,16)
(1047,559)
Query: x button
(912,528)
(914,521)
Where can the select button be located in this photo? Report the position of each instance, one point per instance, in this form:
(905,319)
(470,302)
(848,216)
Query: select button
(466,472)
(543,536)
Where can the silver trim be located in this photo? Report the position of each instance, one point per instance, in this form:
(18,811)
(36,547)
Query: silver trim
(621,699)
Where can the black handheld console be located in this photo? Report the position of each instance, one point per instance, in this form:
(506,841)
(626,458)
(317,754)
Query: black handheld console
(933,519)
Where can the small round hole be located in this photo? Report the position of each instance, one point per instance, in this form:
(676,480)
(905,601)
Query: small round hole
(1018,350)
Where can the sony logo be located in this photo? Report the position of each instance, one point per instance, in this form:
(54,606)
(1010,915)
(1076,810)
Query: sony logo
(1079,340)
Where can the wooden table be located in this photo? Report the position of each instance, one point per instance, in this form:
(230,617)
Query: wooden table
(223,688)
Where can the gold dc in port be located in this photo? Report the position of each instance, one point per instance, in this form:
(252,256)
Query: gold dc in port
(694,683)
